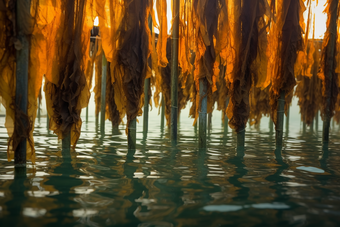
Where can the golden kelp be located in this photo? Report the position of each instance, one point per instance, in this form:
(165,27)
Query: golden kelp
(252,24)
(285,41)
(133,50)
(328,61)
(259,104)
(205,21)
(98,56)
(66,89)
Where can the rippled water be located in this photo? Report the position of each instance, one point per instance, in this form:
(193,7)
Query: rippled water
(104,184)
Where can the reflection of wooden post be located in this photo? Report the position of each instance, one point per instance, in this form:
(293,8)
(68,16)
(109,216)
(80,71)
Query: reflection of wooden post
(103,95)
(22,60)
(330,49)
(280,119)
(174,70)
(203,114)
(132,134)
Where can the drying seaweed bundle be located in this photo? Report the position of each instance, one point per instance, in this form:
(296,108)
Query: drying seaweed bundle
(252,25)
(133,50)
(285,41)
(205,20)
(327,70)
(66,87)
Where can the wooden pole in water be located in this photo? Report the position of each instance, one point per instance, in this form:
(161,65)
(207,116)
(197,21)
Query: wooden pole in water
(226,120)
(146,94)
(22,60)
(146,106)
(332,27)
(39,104)
(202,130)
(174,71)
(317,122)
(287,121)
(103,95)
(87,114)
(280,119)
(241,138)
(132,134)
(162,114)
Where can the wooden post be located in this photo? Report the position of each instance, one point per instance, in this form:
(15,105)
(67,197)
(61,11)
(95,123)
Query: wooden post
(241,139)
(174,71)
(103,95)
(66,142)
(271,126)
(332,27)
(22,60)
(39,104)
(162,114)
(146,107)
(132,134)
(226,120)
(87,114)
(146,94)
(202,130)
(312,126)
(280,120)
(287,122)
(317,122)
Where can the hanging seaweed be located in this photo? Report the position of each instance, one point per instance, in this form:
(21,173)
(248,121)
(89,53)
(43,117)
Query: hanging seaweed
(67,91)
(205,21)
(132,54)
(252,24)
(328,62)
(285,41)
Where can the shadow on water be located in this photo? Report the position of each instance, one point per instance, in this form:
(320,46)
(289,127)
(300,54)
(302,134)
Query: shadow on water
(64,181)
(15,205)
(240,171)
(278,181)
(136,185)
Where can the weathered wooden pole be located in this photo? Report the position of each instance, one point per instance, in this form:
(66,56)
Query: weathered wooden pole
(174,71)
(47,123)
(241,135)
(271,126)
(312,126)
(22,60)
(87,114)
(162,114)
(39,104)
(226,120)
(132,134)
(287,121)
(146,94)
(330,51)
(280,119)
(202,118)
(317,122)
(146,106)
(103,95)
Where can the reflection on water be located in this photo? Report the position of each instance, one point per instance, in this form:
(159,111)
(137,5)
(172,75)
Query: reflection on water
(158,184)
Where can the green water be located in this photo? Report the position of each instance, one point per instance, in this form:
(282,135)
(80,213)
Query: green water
(104,184)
